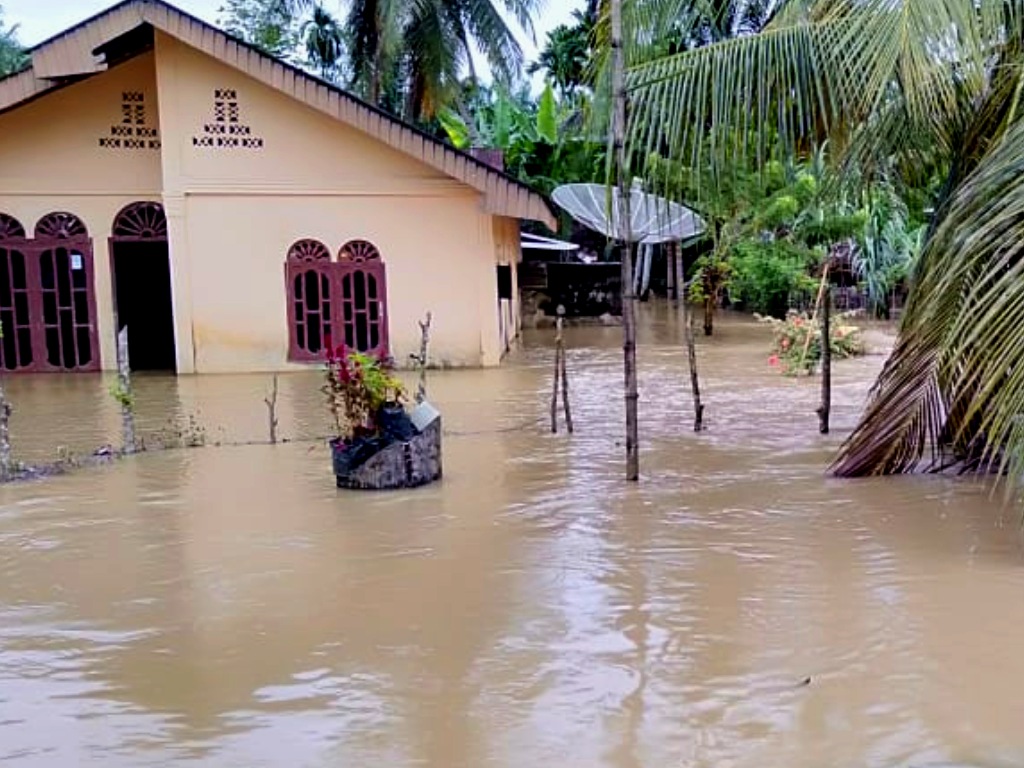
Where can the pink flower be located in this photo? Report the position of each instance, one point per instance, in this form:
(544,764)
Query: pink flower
(773,360)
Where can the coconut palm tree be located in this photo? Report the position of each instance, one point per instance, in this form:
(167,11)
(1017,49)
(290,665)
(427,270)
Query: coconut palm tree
(567,54)
(422,47)
(895,83)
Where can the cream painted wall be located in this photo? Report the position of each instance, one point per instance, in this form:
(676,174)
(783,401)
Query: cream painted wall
(51,160)
(234,211)
(238,287)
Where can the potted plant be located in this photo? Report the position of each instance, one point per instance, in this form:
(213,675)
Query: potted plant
(376,443)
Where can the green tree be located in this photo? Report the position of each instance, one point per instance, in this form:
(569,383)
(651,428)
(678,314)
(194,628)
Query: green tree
(270,25)
(417,51)
(325,43)
(890,83)
(768,229)
(567,54)
(12,55)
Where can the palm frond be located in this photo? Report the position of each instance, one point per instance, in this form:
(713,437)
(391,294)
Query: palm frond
(819,70)
(955,382)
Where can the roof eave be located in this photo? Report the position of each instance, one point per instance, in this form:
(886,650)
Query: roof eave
(72,54)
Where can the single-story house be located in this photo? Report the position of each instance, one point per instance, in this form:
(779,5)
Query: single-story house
(234,212)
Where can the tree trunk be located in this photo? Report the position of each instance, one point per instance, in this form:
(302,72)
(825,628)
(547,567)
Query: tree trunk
(709,315)
(628,297)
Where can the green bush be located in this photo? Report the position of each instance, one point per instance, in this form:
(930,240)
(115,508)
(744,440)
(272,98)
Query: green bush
(767,275)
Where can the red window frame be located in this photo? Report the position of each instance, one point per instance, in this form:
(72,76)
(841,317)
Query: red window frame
(48,303)
(343,302)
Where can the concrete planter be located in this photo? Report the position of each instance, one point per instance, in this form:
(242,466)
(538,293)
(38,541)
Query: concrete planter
(379,464)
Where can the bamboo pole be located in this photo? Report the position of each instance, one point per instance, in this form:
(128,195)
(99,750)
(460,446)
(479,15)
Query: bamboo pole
(622,182)
(825,409)
(814,315)
(558,372)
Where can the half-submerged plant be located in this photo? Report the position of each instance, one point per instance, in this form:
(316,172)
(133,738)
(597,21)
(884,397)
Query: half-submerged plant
(796,341)
(357,386)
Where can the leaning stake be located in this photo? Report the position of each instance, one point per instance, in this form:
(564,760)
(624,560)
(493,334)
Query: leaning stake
(622,174)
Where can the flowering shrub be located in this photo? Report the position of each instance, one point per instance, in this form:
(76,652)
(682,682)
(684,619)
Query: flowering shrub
(796,341)
(356,386)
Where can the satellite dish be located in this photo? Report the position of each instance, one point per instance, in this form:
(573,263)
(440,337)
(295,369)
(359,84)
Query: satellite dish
(653,219)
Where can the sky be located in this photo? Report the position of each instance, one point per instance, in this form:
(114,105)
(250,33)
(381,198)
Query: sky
(40,19)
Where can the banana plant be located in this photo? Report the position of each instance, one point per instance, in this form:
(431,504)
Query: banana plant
(543,141)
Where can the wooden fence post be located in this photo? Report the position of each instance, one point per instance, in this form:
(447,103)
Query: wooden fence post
(125,396)
(271,403)
(691,352)
(421,359)
(825,409)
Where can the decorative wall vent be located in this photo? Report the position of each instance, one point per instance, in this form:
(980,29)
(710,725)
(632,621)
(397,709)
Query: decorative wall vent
(132,133)
(227,131)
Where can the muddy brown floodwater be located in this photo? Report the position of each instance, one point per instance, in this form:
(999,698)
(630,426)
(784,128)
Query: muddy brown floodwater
(228,607)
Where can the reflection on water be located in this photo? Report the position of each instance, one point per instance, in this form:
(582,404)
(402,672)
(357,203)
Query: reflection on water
(228,607)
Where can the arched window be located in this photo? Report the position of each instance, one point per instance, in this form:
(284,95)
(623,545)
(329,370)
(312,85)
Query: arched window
(47,300)
(362,298)
(15,314)
(359,250)
(335,302)
(60,226)
(64,304)
(10,228)
(140,221)
(309,275)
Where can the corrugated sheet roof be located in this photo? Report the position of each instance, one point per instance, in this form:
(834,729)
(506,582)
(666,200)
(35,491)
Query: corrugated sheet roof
(72,55)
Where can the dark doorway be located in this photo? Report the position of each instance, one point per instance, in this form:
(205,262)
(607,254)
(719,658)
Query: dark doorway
(142,287)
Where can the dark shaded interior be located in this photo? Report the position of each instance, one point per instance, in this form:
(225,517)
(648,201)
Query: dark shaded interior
(142,280)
